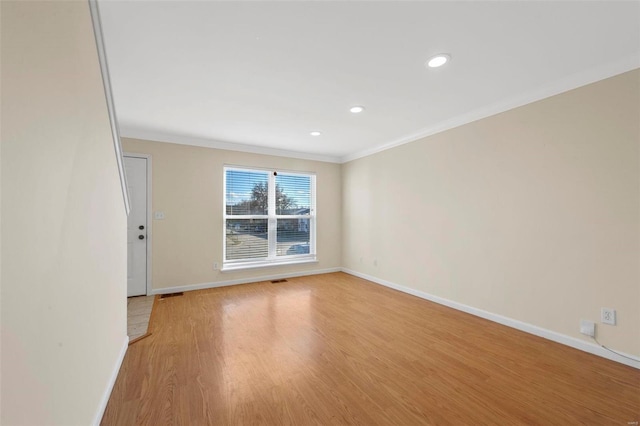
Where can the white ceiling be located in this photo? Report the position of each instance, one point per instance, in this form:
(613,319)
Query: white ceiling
(259,76)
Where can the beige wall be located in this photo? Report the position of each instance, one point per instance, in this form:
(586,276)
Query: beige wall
(187,187)
(533,214)
(63,295)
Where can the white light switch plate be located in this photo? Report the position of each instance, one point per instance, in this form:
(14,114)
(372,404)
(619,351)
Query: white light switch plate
(158,215)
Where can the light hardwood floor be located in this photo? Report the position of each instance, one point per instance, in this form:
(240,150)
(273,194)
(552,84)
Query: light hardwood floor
(336,349)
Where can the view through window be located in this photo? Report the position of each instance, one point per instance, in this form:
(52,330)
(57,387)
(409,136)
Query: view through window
(269,217)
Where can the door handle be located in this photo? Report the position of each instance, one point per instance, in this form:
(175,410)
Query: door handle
(141,227)
(141,237)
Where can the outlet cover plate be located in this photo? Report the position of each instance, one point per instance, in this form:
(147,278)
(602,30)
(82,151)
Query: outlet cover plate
(608,316)
(588,327)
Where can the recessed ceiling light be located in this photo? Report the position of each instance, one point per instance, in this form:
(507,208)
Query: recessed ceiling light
(438,60)
(315,133)
(356,109)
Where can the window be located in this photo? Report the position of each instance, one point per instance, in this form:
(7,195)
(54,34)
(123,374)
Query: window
(269,218)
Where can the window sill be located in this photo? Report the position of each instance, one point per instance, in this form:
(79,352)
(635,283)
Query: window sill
(266,264)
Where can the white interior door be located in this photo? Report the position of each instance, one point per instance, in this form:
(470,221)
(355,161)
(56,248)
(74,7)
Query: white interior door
(136,169)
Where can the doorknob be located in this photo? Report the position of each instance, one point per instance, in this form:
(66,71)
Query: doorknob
(141,237)
(141,227)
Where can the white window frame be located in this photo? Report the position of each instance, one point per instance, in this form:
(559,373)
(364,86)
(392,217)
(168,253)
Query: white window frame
(272,258)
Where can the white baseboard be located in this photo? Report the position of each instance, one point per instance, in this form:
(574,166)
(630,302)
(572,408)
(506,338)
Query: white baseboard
(510,322)
(243,281)
(112,382)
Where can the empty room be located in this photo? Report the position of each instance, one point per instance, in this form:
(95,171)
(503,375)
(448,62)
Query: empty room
(320,212)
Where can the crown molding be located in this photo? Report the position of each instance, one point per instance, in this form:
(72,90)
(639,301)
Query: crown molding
(135,133)
(574,81)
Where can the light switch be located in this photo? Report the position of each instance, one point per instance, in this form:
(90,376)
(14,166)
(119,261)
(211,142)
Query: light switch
(158,215)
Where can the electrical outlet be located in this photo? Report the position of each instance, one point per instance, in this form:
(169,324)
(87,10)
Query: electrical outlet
(375,262)
(215,266)
(588,327)
(608,316)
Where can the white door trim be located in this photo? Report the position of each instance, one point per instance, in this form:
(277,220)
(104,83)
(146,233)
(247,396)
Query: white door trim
(149,215)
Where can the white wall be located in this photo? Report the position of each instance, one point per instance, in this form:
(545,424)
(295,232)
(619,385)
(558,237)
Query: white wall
(533,214)
(188,187)
(63,294)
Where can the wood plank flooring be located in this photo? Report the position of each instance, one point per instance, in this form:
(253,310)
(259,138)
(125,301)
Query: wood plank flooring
(336,349)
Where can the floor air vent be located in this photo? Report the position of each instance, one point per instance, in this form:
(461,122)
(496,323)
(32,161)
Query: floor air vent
(278,281)
(164,296)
